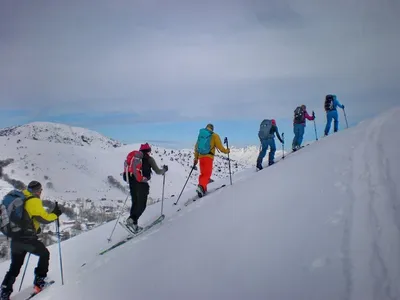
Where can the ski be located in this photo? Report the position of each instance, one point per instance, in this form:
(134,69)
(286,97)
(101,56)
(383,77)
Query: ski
(132,234)
(45,287)
(196,197)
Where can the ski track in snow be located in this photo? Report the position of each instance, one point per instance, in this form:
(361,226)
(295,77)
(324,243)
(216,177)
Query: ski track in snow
(375,196)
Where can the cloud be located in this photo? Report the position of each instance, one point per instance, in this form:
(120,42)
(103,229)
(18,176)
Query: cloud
(194,59)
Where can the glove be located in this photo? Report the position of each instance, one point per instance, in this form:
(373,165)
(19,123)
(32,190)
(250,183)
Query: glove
(313,114)
(343,107)
(39,231)
(195,162)
(165,168)
(228,150)
(124,176)
(57,211)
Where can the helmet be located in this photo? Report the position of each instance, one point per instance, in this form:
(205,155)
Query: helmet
(145,148)
(273,122)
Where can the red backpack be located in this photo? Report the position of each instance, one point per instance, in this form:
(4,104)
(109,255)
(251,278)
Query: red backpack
(133,165)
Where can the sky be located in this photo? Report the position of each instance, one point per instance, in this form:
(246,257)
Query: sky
(158,70)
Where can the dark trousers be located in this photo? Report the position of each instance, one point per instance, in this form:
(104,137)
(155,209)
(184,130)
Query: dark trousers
(19,248)
(139,193)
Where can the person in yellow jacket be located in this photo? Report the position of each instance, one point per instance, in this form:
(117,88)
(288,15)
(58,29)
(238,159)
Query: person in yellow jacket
(204,151)
(27,240)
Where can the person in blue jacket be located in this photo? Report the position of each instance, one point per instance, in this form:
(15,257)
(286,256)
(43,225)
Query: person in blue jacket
(266,134)
(331,104)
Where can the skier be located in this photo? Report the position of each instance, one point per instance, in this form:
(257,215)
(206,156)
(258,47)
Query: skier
(26,240)
(139,166)
(266,135)
(331,104)
(204,151)
(299,124)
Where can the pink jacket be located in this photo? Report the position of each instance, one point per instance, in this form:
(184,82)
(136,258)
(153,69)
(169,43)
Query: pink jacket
(306,116)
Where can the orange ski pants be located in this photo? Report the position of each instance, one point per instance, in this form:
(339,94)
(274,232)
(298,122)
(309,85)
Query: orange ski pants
(206,167)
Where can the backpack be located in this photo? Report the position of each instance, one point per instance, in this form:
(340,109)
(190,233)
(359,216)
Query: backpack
(265,130)
(204,141)
(299,117)
(12,210)
(134,165)
(329,103)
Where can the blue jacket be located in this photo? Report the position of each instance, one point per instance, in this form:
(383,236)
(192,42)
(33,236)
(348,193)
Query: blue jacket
(336,103)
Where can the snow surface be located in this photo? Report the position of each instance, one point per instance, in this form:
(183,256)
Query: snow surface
(322,224)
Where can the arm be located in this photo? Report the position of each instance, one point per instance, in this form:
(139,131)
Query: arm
(277,134)
(37,211)
(154,166)
(308,117)
(337,103)
(218,144)
(196,153)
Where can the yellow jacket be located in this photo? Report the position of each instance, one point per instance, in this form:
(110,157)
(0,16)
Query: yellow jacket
(36,212)
(215,142)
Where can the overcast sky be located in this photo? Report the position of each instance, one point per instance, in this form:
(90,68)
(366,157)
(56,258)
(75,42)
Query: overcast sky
(110,65)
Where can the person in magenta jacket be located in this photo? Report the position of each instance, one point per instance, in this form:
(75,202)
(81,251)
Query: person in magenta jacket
(299,124)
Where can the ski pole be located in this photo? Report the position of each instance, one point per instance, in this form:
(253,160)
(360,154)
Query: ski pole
(283,145)
(175,203)
(162,195)
(59,248)
(229,160)
(119,215)
(345,117)
(315,128)
(23,276)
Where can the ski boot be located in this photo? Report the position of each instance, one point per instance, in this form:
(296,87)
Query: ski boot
(132,225)
(5,294)
(39,283)
(200,191)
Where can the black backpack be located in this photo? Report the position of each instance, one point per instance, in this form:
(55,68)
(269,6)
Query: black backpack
(329,103)
(299,117)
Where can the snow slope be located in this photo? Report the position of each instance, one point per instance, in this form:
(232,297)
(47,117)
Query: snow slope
(322,224)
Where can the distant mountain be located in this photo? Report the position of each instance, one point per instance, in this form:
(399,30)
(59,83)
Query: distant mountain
(60,133)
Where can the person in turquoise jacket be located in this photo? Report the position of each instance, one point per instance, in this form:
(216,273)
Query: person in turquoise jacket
(331,105)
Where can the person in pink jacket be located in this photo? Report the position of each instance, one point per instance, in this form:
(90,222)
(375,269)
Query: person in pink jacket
(299,124)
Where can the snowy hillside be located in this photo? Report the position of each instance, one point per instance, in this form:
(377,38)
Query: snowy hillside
(77,163)
(322,224)
(60,133)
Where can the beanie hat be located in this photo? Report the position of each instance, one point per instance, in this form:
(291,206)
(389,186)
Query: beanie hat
(210,126)
(34,186)
(273,122)
(145,147)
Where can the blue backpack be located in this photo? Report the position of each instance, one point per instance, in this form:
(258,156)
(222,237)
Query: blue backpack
(12,213)
(204,141)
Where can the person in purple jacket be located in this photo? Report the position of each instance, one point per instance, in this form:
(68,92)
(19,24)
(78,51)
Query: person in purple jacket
(299,124)
(331,104)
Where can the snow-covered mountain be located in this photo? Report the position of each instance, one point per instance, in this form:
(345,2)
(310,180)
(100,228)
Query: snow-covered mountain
(321,224)
(60,133)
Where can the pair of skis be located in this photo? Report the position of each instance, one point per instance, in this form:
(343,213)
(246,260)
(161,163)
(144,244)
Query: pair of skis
(22,294)
(133,234)
(196,197)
